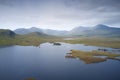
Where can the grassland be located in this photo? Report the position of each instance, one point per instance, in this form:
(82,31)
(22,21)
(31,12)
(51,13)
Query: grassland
(89,57)
(36,39)
(26,40)
(97,41)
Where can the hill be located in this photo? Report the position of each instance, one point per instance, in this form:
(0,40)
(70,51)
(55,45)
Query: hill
(37,34)
(8,37)
(23,31)
(6,33)
(98,30)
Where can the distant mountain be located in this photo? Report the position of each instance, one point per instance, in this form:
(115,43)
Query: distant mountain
(54,32)
(6,33)
(34,29)
(21,31)
(79,30)
(98,30)
(101,26)
(26,31)
(39,34)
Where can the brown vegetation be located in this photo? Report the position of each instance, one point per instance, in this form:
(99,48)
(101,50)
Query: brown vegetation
(89,57)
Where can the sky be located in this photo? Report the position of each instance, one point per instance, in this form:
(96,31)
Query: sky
(58,14)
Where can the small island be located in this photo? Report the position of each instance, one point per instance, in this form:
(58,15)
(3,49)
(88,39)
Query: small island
(92,56)
(56,43)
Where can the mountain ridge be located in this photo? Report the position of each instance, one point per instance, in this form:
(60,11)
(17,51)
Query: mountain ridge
(23,31)
(100,30)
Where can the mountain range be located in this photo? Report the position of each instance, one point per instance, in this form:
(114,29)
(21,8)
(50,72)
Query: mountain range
(98,30)
(34,29)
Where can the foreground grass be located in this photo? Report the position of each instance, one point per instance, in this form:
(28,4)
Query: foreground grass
(105,42)
(89,57)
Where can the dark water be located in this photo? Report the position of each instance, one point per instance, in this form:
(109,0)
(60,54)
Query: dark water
(49,63)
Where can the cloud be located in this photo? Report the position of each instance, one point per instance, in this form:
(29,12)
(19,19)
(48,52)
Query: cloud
(92,4)
(58,14)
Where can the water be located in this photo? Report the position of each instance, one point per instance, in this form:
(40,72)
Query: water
(49,63)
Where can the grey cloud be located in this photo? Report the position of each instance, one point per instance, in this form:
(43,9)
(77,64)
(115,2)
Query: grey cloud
(113,20)
(93,4)
(61,12)
(11,3)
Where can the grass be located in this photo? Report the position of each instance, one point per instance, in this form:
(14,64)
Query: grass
(89,57)
(106,42)
(27,40)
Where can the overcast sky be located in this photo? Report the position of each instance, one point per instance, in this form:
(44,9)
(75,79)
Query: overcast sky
(58,14)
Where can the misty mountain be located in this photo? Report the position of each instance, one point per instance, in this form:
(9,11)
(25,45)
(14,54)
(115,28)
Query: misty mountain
(98,30)
(54,32)
(37,34)
(21,31)
(101,26)
(44,31)
(27,31)
(79,30)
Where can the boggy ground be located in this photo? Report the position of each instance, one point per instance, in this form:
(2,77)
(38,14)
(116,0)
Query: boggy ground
(97,41)
(92,56)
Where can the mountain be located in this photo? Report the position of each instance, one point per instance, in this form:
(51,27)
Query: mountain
(9,33)
(6,33)
(101,26)
(21,31)
(27,31)
(79,30)
(8,37)
(37,34)
(103,30)
(34,29)
(98,30)
(54,32)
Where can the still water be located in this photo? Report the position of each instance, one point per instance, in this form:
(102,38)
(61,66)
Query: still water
(48,62)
